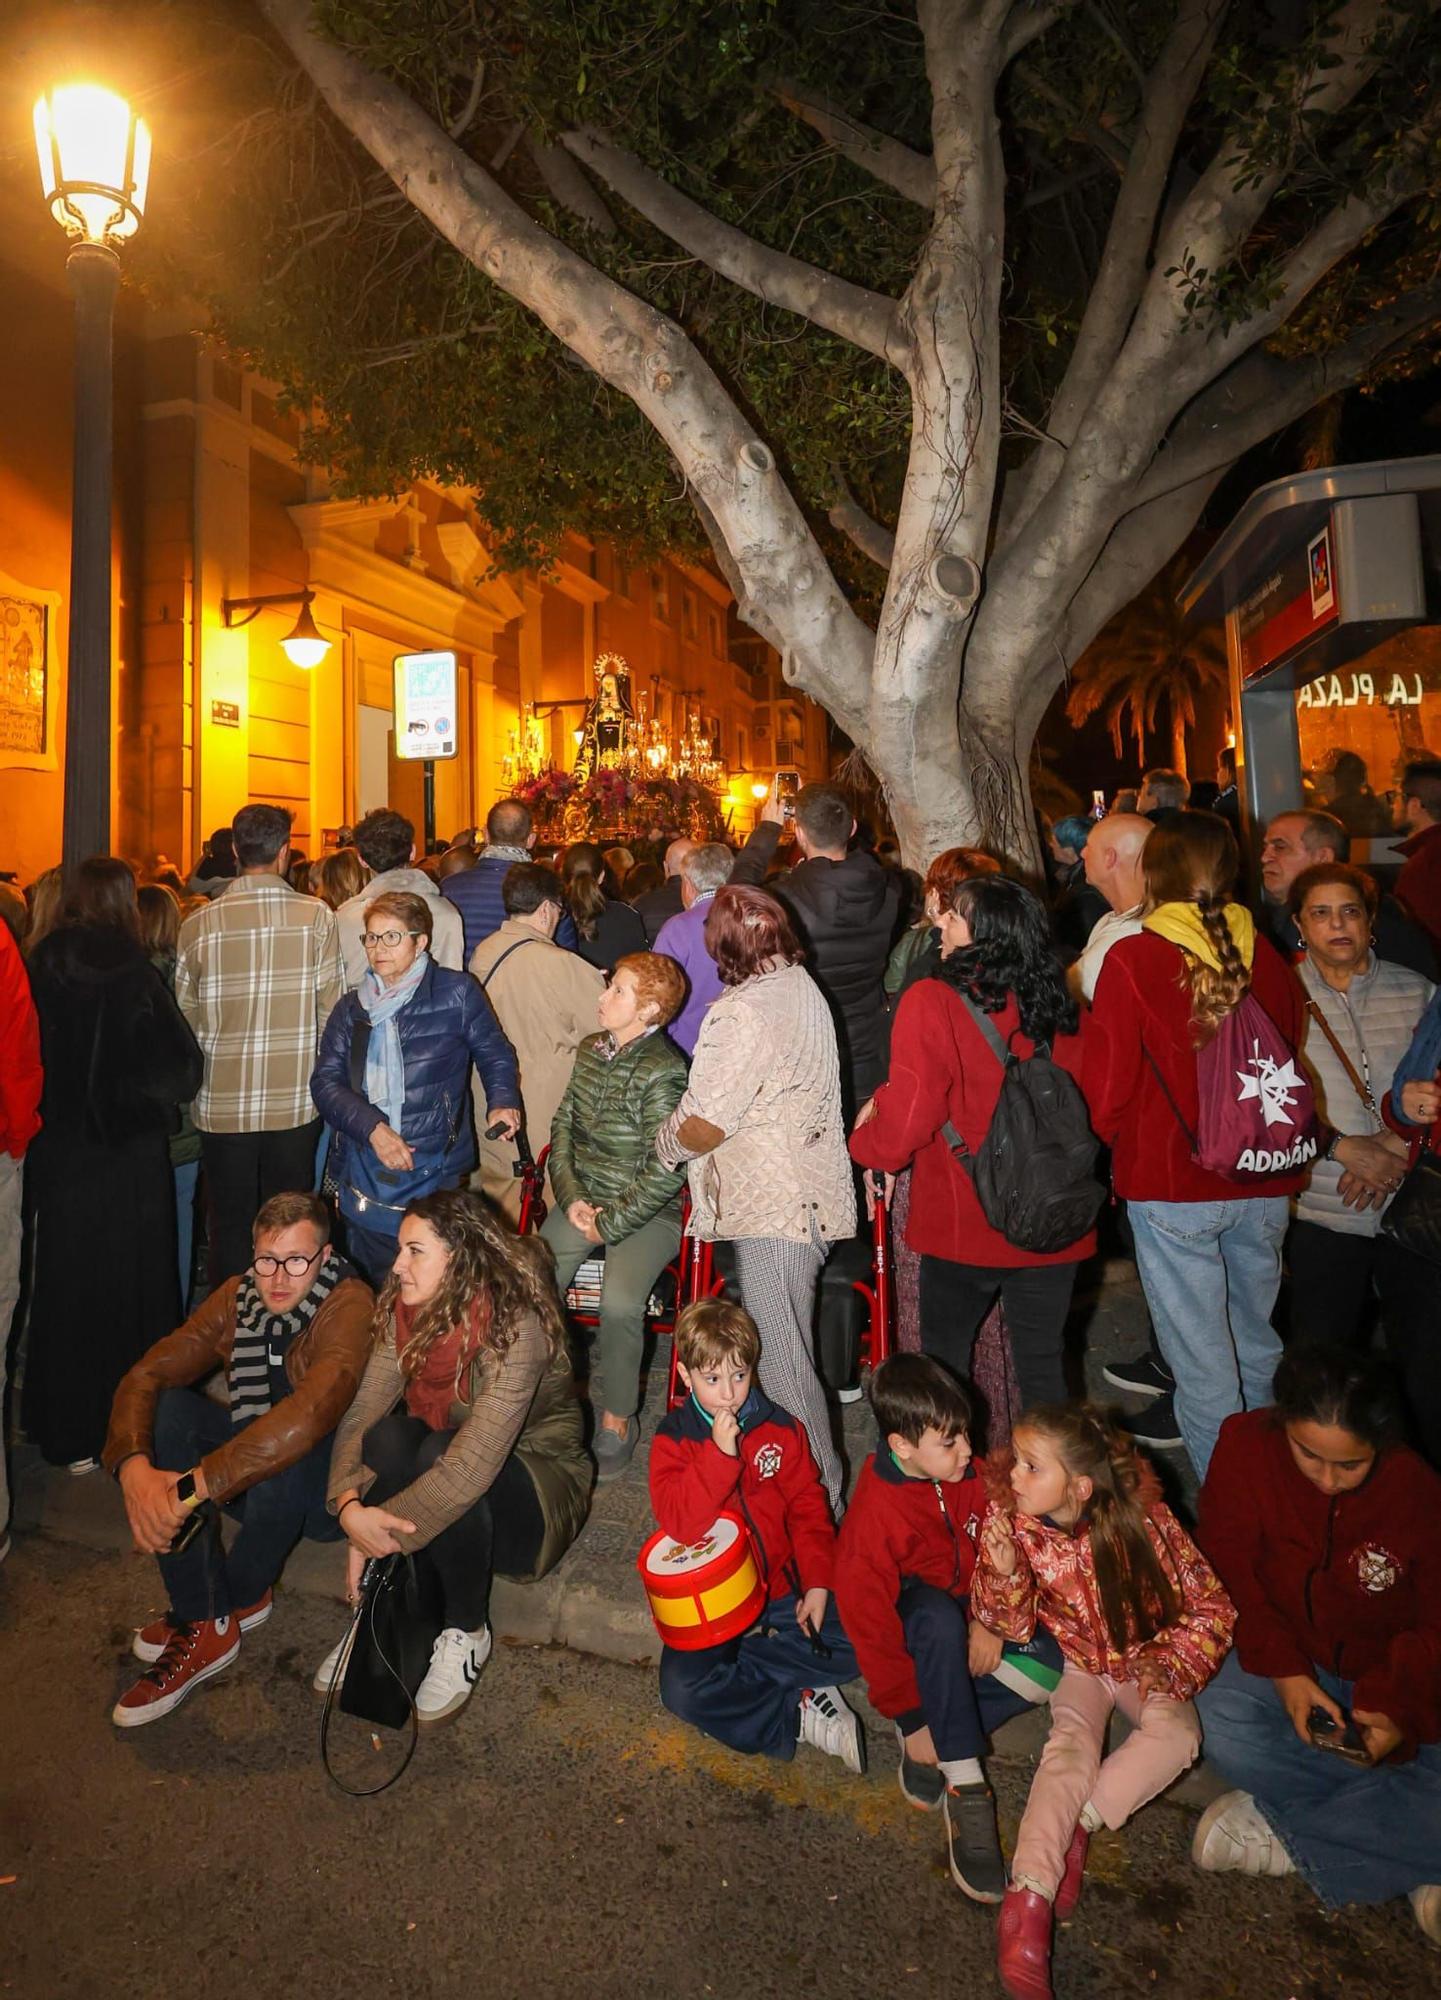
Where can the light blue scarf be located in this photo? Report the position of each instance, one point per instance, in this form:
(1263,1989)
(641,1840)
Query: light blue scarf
(384,1064)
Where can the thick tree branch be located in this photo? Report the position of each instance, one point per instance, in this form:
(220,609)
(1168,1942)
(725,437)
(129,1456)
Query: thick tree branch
(639,351)
(1170,89)
(868,319)
(1333,239)
(1263,393)
(1027,21)
(569,186)
(1165,358)
(896,165)
(1211,227)
(849,518)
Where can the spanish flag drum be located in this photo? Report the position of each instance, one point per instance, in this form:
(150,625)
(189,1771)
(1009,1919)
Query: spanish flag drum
(706,1593)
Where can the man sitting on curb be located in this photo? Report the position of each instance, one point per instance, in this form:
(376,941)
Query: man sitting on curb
(293,1334)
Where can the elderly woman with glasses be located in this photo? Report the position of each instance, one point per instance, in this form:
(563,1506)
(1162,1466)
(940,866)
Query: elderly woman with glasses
(392,1079)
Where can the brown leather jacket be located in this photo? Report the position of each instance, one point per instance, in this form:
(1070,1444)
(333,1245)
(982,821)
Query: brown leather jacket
(325,1363)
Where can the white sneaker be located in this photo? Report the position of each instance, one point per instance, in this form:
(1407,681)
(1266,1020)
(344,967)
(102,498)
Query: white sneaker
(1233,1834)
(455,1663)
(1426,1906)
(831,1724)
(78,1467)
(325,1673)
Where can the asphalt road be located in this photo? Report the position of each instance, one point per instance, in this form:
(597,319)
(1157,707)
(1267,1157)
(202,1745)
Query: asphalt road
(562,1837)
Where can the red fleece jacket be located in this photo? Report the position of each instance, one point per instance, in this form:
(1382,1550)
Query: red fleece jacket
(1350,1582)
(943,1068)
(1143,1008)
(772,1484)
(899,1530)
(1418,886)
(20,1073)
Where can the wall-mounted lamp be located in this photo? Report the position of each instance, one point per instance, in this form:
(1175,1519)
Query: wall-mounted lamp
(305,645)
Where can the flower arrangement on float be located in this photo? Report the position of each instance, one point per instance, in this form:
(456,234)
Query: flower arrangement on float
(612,803)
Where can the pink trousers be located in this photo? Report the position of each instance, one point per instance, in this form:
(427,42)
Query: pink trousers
(1071,1774)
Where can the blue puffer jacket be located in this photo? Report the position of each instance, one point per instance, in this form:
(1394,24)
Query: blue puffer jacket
(447,1025)
(475,892)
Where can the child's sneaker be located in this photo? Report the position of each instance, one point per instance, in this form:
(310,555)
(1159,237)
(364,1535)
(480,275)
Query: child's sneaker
(152,1639)
(1232,1833)
(831,1724)
(978,1867)
(455,1663)
(192,1654)
(922,1785)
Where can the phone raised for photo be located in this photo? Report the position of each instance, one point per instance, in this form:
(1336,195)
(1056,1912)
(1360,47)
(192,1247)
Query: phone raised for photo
(1344,1742)
(788,783)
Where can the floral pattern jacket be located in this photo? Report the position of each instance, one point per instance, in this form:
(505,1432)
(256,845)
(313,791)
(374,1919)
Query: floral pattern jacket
(1055,1581)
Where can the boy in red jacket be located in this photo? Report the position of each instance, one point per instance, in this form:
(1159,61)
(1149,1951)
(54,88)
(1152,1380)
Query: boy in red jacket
(728,1449)
(903,1580)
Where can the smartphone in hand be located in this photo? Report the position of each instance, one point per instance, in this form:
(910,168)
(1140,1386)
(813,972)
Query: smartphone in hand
(1343,1742)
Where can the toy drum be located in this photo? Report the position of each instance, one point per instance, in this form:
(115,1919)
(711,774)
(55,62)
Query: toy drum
(705,1594)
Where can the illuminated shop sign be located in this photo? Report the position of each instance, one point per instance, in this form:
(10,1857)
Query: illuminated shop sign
(1384,690)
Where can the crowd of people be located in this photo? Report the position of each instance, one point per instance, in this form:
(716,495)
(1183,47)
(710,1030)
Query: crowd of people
(332,1073)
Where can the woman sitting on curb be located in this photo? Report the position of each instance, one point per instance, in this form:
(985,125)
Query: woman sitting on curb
(464,1441)
(1327,1533)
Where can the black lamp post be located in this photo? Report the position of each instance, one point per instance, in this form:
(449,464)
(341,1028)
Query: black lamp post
(95,167)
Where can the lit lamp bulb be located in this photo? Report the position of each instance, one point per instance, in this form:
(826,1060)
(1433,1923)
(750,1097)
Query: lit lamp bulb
(759,790)
(94,162)
(306,645)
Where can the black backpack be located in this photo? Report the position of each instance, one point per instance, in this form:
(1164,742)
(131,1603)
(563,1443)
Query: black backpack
(1035,1173)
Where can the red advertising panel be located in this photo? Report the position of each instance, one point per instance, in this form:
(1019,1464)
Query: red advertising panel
(1298,599)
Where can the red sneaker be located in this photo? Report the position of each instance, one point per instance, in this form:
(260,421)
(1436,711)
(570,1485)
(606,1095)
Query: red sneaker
(152,1639)
(194,1653)
(1069,1893)
(1023,1945)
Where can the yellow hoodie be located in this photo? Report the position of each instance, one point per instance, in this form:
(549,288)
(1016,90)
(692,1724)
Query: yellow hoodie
(1180,923)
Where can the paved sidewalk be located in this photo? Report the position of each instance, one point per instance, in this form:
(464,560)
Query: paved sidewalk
(592,1601)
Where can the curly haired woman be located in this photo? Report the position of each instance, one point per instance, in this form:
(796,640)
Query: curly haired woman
(464,1441)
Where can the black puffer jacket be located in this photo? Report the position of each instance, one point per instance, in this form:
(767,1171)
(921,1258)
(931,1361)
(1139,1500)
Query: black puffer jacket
(119,1056)
(602,1142)
(847,914)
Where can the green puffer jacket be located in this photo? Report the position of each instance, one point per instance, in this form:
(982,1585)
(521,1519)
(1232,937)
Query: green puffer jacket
(602,1144)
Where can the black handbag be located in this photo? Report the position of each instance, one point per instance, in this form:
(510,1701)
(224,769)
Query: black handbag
(386,1653)
(1413,1215)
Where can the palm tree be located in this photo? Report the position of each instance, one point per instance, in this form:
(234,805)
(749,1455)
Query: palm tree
(1145,655)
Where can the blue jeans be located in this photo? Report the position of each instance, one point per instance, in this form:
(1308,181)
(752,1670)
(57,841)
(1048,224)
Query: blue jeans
(1211,1271)
(372,1252)
(1357,1834)
(186,1177)
(960,1712)
(747,1693)
(206,1581)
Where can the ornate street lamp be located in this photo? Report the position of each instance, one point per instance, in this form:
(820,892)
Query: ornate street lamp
(94,168)
(305,645)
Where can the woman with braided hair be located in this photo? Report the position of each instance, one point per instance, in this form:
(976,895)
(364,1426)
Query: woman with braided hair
(463,1445)
(1208,1248)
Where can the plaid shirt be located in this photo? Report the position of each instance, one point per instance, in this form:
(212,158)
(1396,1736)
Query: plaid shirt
(256,977)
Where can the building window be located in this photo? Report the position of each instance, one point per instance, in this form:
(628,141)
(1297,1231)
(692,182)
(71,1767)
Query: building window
(687,615)
(713,627)
(660,596)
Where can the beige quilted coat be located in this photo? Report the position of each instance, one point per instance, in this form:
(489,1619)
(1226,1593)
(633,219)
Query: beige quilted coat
(766,1074)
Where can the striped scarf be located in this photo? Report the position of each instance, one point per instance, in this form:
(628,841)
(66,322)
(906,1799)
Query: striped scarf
(262,1338)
